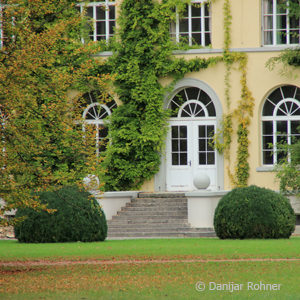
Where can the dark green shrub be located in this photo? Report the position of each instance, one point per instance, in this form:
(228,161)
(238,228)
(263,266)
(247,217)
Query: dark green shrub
(254,212)
(78,218)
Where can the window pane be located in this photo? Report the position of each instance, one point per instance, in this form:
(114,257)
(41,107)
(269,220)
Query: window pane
(210,146)
(281,22)
(275,96)
(211,158)
(268,22)
(268,142)
(210,131)
(183,132)
(211,110)
(202,158)
(183,159)
(112,27)
(268,6)
(89,12)
(192,93)
(175,159)
(206,10)
(294,36)
(196,10)
(183,145)
(112,12)
(202,132)
(268,37)
(196,25)
(175,146)
(196,39)
(295,127)
(100,11)
(207,24)
(267,127)
(281,37)
(101,27)
(174,132)
(288,91)
(183,25)
(294,22)
(267,158)
(202,145)
(281,127)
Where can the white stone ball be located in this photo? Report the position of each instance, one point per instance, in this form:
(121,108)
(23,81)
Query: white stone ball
(201,181)
(91,182)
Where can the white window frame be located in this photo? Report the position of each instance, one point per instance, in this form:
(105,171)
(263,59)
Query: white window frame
(1,26)
(289,117)
(202,18)
(97,119)
(94,5)
(274,30)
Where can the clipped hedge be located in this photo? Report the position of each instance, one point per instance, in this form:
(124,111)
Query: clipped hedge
(254,212)
(78,218)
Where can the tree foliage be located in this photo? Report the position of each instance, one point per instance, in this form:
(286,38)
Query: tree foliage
(42,59)
(288,170)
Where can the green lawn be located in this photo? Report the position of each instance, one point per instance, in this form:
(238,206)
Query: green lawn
(176,280)
(169,248)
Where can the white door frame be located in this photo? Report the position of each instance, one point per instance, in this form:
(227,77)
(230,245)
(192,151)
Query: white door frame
(184,164)
(160,177)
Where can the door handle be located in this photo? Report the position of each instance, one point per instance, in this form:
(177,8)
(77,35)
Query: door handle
(190,163)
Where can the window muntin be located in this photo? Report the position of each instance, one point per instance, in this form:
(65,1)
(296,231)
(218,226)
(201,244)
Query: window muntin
(278,27)
(94,115)
(193,26)
(192,102)
(103,15)
(280,122)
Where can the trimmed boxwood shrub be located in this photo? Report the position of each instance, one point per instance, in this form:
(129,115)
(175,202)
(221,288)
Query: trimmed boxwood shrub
(254,212)
(78,218)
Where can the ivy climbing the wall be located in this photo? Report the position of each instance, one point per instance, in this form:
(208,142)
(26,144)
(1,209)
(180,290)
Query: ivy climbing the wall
(142,56)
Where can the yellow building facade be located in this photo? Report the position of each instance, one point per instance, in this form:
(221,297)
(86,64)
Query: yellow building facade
(260,29)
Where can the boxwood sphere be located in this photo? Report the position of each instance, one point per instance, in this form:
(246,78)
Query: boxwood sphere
(78,218)
(254,212)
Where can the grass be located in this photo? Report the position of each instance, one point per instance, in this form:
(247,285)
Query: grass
(151,248)
(175,280)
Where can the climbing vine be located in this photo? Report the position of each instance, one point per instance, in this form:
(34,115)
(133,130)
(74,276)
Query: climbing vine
(142,56)
(242,113)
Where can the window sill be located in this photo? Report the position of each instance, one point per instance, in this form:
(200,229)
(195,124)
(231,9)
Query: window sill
(265,169)
(218,51)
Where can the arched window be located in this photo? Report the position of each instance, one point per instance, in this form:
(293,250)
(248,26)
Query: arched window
(94,115)
(280,122)
(192,102)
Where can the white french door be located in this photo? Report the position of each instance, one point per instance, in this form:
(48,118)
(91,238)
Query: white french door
(189,152)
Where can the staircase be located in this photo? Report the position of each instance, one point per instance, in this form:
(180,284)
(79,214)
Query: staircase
(155,215)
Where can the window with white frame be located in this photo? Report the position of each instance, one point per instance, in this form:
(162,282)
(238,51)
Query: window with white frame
(279,26)
(103,16)
(280,122)
(193,26)
(94,115)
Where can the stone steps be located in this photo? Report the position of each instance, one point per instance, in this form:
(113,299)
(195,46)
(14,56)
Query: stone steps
(155,215)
